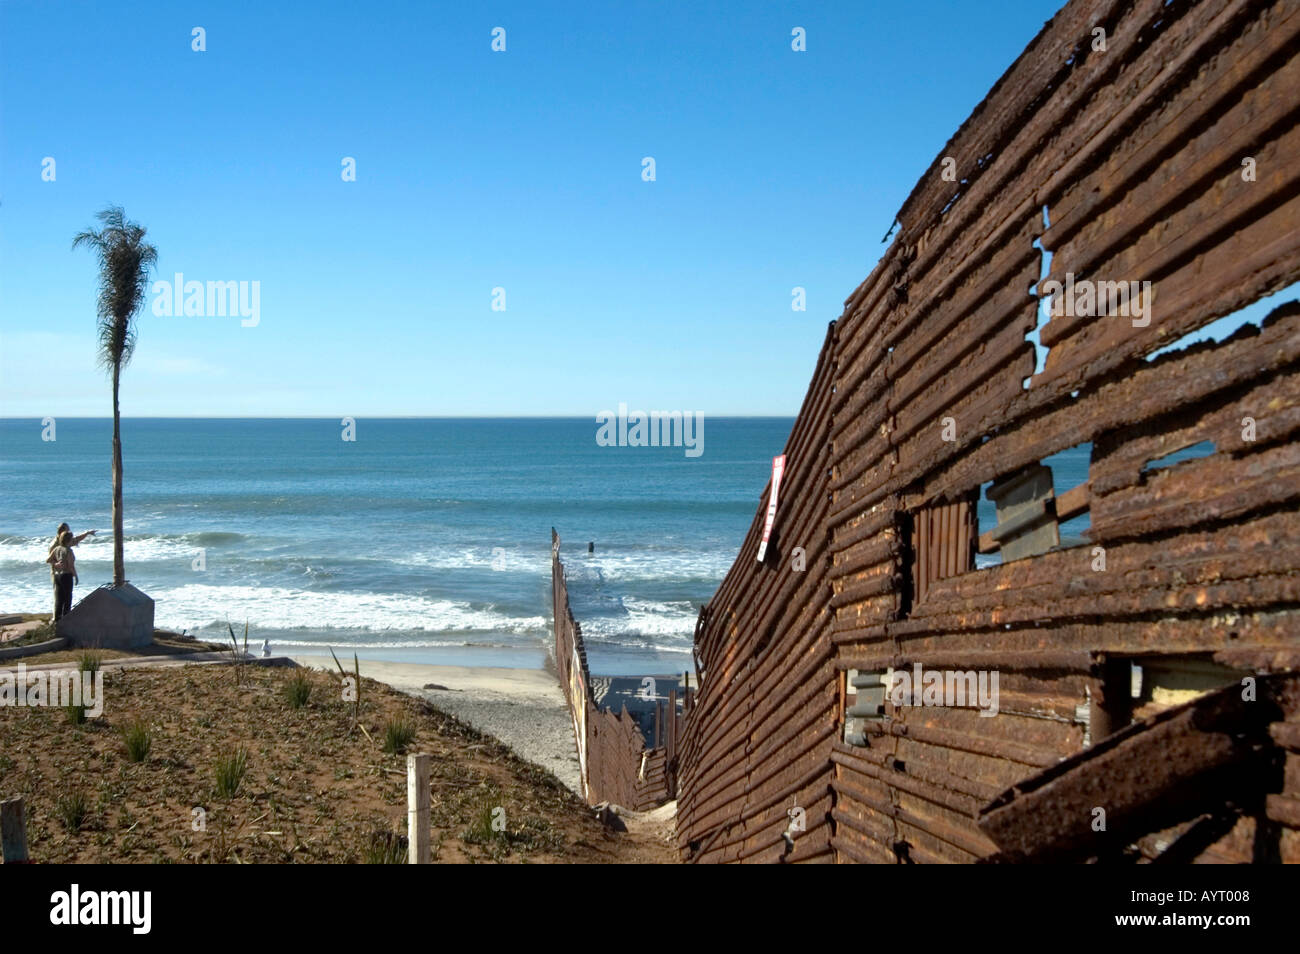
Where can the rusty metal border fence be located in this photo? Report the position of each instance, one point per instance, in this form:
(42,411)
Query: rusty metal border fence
(613,759)
(1169,153)
(756,742)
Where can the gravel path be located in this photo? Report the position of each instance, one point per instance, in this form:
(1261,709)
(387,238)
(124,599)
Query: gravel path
(539,732)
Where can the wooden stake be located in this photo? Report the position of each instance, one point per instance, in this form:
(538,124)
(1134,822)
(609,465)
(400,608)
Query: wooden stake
(417,808)
(13,831)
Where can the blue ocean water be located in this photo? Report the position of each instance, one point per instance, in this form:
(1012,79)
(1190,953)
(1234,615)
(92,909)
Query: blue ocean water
(424,540)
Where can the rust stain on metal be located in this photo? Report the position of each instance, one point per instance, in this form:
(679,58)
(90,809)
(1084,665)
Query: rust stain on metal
(1147,777)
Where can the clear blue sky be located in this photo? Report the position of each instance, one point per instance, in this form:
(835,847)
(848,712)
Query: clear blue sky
(475,169)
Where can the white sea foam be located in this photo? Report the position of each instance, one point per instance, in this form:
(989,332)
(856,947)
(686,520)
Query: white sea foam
(601,580)
(664,566)
(651,618)
(195,605)
(460,557)
(626,642)
(646,623)
(657,565)
(31,551)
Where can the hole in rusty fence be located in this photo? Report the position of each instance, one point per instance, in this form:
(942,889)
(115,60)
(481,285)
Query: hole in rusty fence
(1173,458)
(1225,328)
(1042,507)
(1034,337)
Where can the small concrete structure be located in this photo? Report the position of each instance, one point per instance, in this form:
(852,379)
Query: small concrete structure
(111,617)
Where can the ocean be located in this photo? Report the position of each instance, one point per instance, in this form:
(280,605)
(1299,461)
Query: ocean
(423,540)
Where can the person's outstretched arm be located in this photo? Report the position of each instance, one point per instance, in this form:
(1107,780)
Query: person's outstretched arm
(81,536)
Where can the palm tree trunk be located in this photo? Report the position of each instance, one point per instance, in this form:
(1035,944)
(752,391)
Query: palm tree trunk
(119,564)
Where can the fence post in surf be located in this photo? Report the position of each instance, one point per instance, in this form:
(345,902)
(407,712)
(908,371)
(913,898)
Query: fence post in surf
(13,831)
(417,808)
(672,740)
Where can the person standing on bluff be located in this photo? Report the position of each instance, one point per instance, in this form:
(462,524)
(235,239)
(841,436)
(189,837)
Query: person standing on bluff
(63,566)
(58,535)
(64,528)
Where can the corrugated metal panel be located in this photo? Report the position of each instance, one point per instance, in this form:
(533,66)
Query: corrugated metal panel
(1127,165)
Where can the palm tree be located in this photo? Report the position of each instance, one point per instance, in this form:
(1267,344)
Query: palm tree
(125,261)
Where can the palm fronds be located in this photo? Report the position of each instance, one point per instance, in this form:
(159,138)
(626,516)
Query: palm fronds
(126,262)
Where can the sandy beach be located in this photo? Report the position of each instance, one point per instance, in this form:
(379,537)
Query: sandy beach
(524,708)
